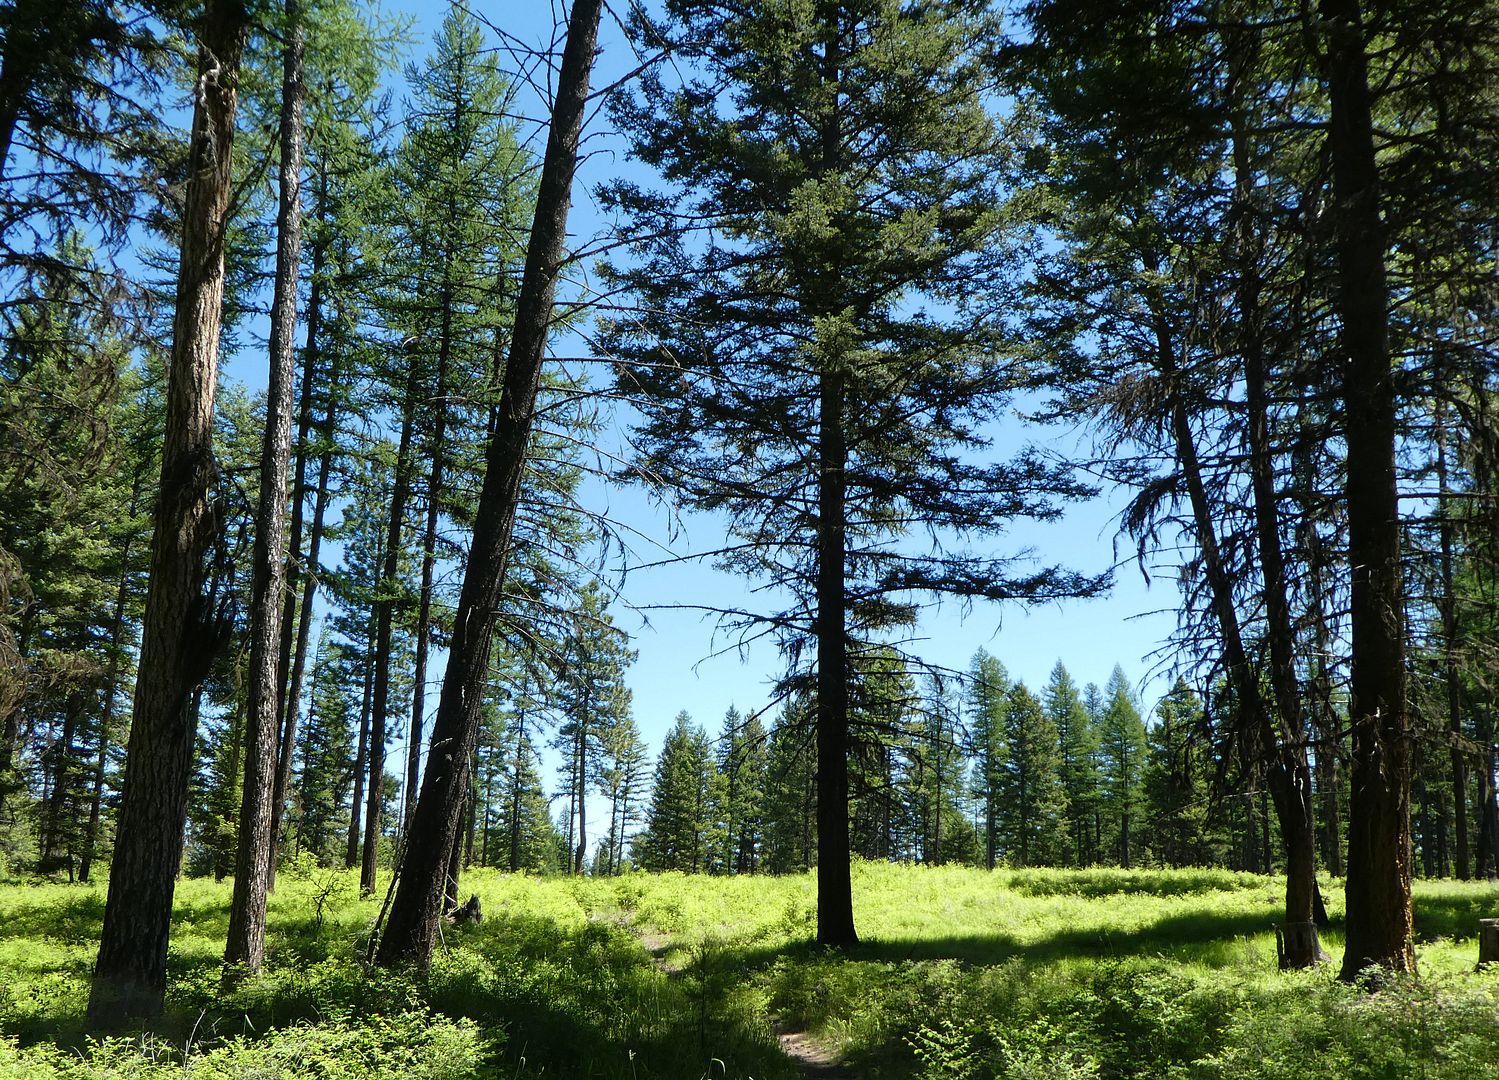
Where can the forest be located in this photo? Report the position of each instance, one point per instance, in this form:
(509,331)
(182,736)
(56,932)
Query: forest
(336,338)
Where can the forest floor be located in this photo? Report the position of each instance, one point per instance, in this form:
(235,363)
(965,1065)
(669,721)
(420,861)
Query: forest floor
(961,974)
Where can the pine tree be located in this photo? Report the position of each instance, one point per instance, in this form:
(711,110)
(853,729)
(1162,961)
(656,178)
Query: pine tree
(592,699)
(790,792)
(1032,798)
(1121,756)
(179,635)
(742,751)
(830,328)
(327,754)
(1077,739)
(1177,801)
(988,699)
(679,827)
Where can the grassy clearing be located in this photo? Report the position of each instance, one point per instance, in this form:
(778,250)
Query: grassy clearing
(962,974)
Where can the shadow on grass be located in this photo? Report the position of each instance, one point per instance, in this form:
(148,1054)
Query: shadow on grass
(1454,916)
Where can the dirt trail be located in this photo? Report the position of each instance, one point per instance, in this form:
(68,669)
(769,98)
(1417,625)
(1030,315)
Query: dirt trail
(811,1058)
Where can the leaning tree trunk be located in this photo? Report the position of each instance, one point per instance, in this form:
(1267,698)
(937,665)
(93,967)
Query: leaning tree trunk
(1379,837)
(245,948)
(416,909)
(180,633)
(1294,821)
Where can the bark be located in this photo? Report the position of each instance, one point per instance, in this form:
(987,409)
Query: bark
(296,625)
(1379,840)
(180,633)
(415,911)
(1462,856)
(429,551)
(1290,808)
(835,902)
(245,947)
(361,758)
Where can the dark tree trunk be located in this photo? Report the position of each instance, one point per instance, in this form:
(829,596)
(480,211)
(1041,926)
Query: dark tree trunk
(1379,842)
(429,554)
(835,902)
(245,947)
(361,760)
(180,633)
(1462,856)
(412,928)
(296,626)
(1291,813)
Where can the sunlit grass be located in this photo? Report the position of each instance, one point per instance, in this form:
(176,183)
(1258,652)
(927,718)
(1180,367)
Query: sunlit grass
(960,972)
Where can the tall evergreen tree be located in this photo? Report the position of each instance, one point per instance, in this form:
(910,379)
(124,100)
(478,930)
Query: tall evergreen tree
(834,325)
(1032,797)
(180,631)
(1121,756)
(1077,741)
(988,699)
(679,825)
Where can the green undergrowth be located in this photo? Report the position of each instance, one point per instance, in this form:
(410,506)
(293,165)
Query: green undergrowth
(960,973)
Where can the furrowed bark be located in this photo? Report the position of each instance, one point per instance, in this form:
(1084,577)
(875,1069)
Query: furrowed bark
(244,950)
(180,633)
(416,909)
(1379,838)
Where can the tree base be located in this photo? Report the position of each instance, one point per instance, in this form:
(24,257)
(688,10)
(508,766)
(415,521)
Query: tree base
(1488,942)
(1297,946)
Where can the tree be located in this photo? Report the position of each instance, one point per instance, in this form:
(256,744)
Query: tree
(1379,847)
(988,699)
(741,764)
(1177,802)
(1121,753)
(679,825)
(818,359)
(181,632)
(1032,799)
(593,699)
(327,754)
(414,912)
(1077,740)
(252,875)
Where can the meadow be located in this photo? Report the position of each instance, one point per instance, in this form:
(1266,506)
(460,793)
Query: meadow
(961,974)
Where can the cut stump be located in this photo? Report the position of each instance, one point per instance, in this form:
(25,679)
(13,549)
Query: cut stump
(1488,942)
(1297,945)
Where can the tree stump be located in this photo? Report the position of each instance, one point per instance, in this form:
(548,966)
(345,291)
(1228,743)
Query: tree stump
(1488,942)
(465,913)
(1297,945)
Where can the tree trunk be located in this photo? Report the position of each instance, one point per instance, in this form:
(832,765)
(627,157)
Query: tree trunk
(296,626)
(1462,857)
(835,902)
(180,634)
(361,760)
(415,910)
(1295,822)
(429,554)
(1379,841)
(245,947)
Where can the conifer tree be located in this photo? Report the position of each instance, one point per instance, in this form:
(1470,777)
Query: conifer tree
(1032,798)
(1077,739)
(818,363)
(988,698)
(1121,757)
(679,830)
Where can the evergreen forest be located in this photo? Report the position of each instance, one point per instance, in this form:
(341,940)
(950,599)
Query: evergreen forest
(363,368)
